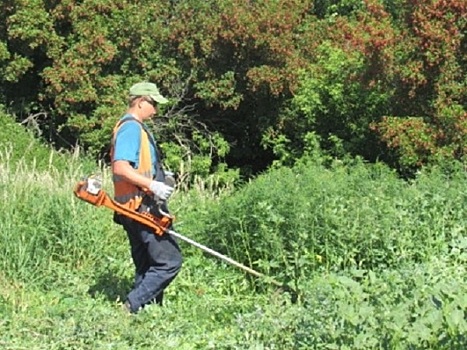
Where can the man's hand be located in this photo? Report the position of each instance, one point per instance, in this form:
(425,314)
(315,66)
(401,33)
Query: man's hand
(161,190)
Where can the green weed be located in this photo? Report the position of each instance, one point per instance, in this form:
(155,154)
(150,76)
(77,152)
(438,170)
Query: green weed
(379,263)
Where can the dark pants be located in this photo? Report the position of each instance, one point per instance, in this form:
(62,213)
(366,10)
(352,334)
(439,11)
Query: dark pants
(157,261)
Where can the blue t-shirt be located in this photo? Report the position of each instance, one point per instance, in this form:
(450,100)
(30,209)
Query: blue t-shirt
(127,143)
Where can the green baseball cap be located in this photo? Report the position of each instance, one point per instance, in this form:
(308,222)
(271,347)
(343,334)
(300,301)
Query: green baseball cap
(148,89)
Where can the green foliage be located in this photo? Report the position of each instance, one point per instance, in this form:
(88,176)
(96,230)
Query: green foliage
(379,263)
(86,54)
(65,263)
(432,86)
(20,146)
(419,307)
(291,222)
(331,8)
(33,222)
(256,73)
(334,102)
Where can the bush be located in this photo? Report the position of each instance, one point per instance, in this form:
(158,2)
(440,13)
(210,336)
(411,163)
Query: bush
(292,222)
(19,145)
(65,263)
(419,307)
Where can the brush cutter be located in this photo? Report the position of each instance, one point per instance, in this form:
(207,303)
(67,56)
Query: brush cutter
(90,190)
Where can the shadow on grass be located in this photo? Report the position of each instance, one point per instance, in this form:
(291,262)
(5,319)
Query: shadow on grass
(111,286)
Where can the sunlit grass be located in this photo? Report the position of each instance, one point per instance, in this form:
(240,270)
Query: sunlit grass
(65,266)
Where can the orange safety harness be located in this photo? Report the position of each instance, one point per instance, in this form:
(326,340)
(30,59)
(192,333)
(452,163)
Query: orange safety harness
(124,192)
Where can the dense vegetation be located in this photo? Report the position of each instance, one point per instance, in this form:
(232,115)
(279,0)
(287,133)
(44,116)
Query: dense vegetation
(290,124)
(251,82)
(378,262)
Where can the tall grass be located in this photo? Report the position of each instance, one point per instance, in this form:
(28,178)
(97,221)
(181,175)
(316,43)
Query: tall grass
(380,263)
(292,222)
(41,222)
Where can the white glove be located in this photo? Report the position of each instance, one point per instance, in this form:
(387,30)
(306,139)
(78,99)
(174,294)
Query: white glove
(161,190)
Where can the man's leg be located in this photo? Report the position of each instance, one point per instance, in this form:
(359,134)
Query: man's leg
(163,262)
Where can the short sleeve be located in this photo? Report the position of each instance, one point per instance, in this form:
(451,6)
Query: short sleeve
(127,143)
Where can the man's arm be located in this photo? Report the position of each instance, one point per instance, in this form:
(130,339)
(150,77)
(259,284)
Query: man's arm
(126,148)
(123,169)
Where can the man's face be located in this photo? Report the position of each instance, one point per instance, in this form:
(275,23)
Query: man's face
(148,107)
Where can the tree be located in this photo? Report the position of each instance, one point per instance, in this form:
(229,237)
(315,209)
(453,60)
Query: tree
(378,78)
(429,119)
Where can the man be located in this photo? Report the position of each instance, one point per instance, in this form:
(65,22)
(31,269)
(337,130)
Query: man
(137,172)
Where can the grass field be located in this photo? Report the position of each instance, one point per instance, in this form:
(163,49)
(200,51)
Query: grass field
(378,262)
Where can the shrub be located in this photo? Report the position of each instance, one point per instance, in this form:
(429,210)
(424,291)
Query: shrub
(19,145)
(292,222)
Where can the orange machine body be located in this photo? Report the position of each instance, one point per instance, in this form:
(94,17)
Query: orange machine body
(160,225)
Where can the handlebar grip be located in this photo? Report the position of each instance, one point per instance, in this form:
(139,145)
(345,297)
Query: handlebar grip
(169,181)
